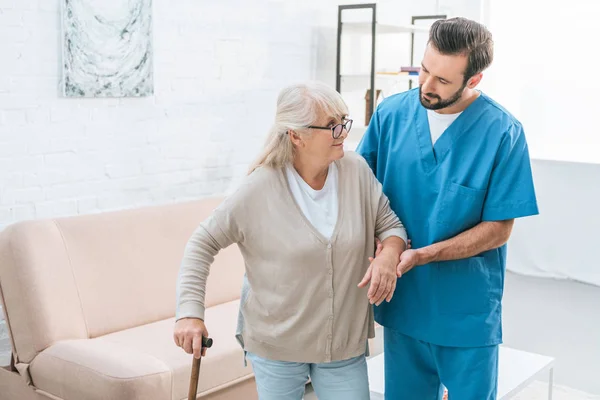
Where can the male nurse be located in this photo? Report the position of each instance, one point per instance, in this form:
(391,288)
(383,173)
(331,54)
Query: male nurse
(455,166)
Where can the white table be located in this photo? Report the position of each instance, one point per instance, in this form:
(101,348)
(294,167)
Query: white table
(517,369)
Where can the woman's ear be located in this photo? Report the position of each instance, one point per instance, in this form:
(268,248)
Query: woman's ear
(295,138)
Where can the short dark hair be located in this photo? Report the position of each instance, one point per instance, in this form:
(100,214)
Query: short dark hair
(459,35)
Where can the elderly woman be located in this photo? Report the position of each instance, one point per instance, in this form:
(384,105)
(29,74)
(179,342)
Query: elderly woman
(305,220)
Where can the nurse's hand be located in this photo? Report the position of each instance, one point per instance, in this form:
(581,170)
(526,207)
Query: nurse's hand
(382,275)
(408,260)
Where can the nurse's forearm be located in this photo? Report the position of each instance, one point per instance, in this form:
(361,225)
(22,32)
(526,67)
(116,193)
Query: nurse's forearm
(482,237)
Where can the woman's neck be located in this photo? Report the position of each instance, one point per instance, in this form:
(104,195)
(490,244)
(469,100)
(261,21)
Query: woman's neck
(312,173)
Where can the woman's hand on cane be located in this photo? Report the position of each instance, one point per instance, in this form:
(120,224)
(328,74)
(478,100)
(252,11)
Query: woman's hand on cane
(188,335)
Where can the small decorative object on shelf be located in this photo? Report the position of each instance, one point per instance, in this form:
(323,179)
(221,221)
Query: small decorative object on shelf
(411,70)
(369,107)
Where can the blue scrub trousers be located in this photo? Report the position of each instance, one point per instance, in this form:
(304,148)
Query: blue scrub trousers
(337,380)
(416,370)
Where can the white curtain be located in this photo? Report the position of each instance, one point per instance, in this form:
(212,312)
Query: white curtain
(547,73)
(563,241)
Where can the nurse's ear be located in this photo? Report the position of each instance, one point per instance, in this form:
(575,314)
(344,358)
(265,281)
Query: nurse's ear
(474,80)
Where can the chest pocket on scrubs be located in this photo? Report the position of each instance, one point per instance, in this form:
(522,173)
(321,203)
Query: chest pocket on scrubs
(460,207)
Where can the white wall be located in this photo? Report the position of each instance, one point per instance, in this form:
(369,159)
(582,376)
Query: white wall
(545,72)
(218,68)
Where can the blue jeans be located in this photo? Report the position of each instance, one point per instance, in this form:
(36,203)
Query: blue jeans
(338,380)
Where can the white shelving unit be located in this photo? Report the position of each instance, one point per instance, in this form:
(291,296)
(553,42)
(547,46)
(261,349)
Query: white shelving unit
(386,82)
(357,81)
(365,28)
(361,74)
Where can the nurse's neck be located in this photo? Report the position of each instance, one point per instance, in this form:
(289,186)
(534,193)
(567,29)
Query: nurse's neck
(468,97)
(312,172)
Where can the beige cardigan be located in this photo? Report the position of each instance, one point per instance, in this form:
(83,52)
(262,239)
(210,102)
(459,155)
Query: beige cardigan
(301,302)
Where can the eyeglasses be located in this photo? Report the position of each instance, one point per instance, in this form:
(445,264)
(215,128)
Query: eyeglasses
(336,130)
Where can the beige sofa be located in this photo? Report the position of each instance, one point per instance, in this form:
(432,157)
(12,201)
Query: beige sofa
(89,303)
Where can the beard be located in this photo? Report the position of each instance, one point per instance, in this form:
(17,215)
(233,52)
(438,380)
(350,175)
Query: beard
(440,103)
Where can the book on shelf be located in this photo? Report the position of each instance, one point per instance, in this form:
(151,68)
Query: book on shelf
(411,70)
(403,71)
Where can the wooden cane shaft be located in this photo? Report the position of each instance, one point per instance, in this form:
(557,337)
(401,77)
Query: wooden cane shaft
(194,378)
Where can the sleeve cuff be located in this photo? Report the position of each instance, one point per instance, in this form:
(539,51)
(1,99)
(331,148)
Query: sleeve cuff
(399,232)
(190,310)
(502,213)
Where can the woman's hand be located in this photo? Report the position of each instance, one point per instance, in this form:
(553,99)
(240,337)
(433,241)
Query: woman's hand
(382,275)
(188,335)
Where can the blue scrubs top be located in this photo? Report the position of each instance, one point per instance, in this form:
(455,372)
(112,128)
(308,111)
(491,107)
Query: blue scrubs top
(478,170)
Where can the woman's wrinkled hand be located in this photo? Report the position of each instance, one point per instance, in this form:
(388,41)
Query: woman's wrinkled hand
(188,335)
(382,275)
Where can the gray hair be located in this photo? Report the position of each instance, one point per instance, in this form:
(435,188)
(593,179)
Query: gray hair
(297,107)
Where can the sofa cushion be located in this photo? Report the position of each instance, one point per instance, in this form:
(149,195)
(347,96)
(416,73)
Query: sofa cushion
(141,363)
(38,288)
(119,258)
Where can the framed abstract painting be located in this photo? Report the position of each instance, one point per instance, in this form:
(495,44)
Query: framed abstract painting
(107,48)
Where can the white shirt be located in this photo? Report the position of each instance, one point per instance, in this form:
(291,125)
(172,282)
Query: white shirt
(438,123)
(319,206)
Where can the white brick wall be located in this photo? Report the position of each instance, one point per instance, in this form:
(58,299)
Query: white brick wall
(218,67)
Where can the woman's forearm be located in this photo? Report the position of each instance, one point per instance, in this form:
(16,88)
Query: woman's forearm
(393,246)
(193,273)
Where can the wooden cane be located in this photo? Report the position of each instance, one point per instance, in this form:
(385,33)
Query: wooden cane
(206,343)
